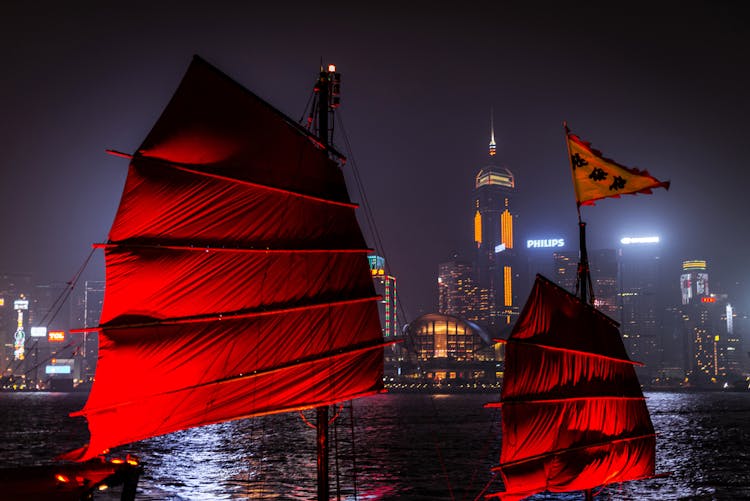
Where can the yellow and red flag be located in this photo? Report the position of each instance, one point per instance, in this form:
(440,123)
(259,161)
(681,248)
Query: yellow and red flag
(596,177)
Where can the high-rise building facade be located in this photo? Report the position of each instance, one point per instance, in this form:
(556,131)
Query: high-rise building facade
(706,327)
(457,292)
(640,308)
(385,286)
(496,265)
(603,267)
(15,299)
(86,312)
(694,281)
(566,270)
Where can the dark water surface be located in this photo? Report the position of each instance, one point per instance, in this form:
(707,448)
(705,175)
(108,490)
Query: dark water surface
(406,446)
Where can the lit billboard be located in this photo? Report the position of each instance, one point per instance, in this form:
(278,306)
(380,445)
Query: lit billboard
(701,284)
(545,243)
(58,369)
(686,288)
(60,366)
(639,240)
(56,336)
(38,332)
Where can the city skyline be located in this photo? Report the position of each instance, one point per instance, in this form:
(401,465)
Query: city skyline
(663,92)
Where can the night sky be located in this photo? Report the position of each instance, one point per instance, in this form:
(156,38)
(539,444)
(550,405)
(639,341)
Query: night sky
(661,86)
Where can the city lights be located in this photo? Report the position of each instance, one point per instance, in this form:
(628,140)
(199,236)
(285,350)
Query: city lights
(639,240)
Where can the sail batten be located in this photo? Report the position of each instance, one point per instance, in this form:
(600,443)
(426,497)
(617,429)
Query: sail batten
(569,350)
(237,281)
(192,170)
(204,248)
(352,350)
(237,315)
(573,413)
(567,450)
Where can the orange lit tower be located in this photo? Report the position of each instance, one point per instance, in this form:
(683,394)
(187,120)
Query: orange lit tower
(496,259)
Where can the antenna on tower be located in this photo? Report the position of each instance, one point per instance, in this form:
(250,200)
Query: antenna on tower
(493,146)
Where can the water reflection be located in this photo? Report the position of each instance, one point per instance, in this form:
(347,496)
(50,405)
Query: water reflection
(413,447)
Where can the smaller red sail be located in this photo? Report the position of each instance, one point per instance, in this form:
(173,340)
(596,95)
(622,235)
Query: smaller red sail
(573,414)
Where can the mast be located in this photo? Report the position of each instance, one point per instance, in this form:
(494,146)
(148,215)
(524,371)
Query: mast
(324,87)
(583,276)
(584,287)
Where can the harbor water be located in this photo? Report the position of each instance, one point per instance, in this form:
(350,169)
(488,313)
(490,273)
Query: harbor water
(386,447)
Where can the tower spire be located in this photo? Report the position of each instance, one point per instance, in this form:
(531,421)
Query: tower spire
(492,134)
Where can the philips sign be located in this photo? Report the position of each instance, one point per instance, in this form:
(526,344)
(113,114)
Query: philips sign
(545,243)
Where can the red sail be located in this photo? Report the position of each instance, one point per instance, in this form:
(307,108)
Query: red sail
(573,414)
(237,278)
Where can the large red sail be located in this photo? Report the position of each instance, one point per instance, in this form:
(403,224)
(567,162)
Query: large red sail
(237,279)
(573,414)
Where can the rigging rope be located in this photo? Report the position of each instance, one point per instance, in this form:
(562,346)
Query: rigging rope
(369,216)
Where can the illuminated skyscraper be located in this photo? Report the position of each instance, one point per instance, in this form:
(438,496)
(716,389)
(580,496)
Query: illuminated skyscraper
(694,281)
(566,270)
(87,310)
(385,285)
(707,326)
(496,263)
(603,265)
(15,291)
(457,292)
(640,273)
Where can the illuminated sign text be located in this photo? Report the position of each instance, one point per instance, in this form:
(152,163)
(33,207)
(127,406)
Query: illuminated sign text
(56,336)
(545,243)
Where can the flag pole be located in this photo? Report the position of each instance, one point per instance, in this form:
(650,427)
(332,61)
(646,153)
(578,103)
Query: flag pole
(584,287)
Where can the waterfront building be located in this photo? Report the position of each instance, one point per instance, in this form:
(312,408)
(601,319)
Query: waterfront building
(496,266)
(450,348)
